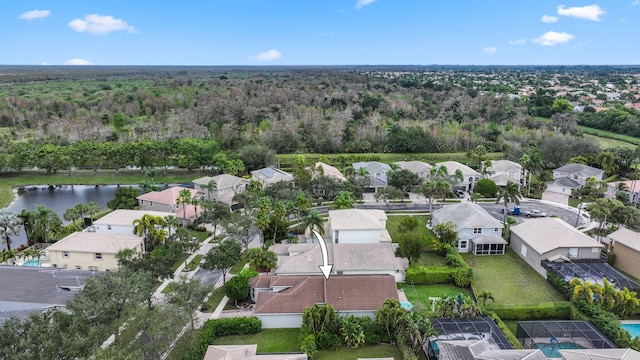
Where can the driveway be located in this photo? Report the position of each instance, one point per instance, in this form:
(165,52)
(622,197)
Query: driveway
(562,199)
(566,213)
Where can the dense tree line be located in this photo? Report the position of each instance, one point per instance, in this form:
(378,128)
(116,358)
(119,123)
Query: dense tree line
(621,120)
(298,110)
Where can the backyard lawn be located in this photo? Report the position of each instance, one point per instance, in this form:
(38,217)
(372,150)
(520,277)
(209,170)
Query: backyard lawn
(268,340)
(418,295)
(510,279)
(373,351)
(394,220)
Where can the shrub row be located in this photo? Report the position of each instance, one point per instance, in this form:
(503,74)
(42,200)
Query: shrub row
(549,310)
(608,324)
(222,327)
(430,275)
(506,331)
(560,284)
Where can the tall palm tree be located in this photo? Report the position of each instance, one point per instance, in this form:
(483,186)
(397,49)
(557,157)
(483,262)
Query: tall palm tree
(429,191)
(149,227)
(628,302)
(313,221)
(92,209)
(71,214)
(184,198)
(125,256)
(534,165)
(9,226)
(27,222)
(195,201)
(511,192)
(301,204)
(610,295)
(44,221)
(172,223)
(211,186)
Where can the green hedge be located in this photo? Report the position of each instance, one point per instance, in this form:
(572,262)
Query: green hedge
(430,275)
(549,310)
(560,284)
(222,327)
(608,324)
(506,331)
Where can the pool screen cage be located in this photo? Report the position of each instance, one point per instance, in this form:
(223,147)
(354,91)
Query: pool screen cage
(592,271)
(536,334)
(453,329)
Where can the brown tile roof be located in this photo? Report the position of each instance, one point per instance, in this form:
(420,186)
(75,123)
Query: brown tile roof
(167,196)
(344,293)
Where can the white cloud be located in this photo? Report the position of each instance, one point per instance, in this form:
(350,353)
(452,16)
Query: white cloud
(45,63)
(549,19)
(268,55)
(517,42)
(363,3)
(636,2)
(78,62)
(490,50)
(34,14)
(590,12)
(552,38)
(100,24)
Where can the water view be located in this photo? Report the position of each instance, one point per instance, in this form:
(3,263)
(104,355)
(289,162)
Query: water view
(59,198)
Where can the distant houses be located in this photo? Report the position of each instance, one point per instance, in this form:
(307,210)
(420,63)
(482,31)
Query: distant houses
(503,171)
(270,175)
(469,176)
(167,201)
(478,231)
(420,168)
(226,188)
(377,174)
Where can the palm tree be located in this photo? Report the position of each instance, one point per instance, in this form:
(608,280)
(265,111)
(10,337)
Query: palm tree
(610,295)
(301,204)
(195,201)
(125,256)
(184,198)
(172,223)
(628,302)
(27,221)
(586,290)
(148,227)
(8,255)
(485,296)
(344,201)
(71,214)
(9,225)
(92,209)
(313,221)
(429,191)
(511,192)
(475,197)
(44,221)
(211,186)
(534,165)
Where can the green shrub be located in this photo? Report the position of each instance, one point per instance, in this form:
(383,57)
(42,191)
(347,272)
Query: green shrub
(463,277)
(325,341)
(308,346)
(608,324)
(430,275)
(560,284)
(222,327)
(506,331)
(486,187)
(550,310)
(237,288)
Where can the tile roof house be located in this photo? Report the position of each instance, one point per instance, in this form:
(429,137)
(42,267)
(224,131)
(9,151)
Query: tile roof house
(377,173)
(626,246)
(475,226)
(248,352)
(91,251)
(470,176)
(270,175)
(632,190)
(356,226)
(479,350)
(31,289)
(227,187)
(578,172)
(422,169)
(347,259)
(544,238)
(502,171)
(281,300)
(327,170)
(121,221)
(166,201)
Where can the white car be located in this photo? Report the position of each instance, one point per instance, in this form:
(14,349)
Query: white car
(583,206)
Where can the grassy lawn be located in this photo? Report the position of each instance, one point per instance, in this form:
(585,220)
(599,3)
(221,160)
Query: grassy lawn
(170,287)
(374,351)
(430,259)
(239,265)
(512,325)
(510,279)
(601,135)
(193,263)
(200,235)
(419,295)
(394,220)
(214,300)
(606,143)
(268,340)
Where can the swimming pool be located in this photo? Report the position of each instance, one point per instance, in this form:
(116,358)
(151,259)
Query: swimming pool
(551,350)
(633,329)
(33,263)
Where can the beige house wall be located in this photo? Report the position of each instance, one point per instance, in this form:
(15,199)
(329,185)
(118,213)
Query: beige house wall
(84,260)
(627,259)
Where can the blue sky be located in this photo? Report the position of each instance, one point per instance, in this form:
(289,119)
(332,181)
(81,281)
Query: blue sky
(320,32)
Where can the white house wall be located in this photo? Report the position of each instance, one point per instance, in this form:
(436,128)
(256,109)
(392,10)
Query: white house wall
(280,321)
(467,234)
(355,236)
(558,189)
(114,229)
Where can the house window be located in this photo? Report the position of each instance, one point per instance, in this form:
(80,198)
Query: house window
(97,256)
(93,268)
(463,244)
(575,177)
(108,227)
(477,230)
(141,202)
(496,229)
(78,267)
(512,174)
(573,252)
(150,203)
(523,251)
(65,254)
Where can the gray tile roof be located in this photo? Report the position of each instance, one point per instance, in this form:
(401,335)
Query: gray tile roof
(600,354)
(579,169)
(466,215)
(478,350)
(567,182)
(372,166)
(26,289)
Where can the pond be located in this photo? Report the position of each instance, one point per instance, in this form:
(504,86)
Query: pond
(59,198)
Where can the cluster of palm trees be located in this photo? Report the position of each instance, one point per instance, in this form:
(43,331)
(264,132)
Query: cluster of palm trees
(439,184)
(621,302)
(152,229)
(78,212)
(31,253)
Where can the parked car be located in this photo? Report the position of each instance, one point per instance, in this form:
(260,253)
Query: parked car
(535,213)
(459,193)
(514,211)
(583,206)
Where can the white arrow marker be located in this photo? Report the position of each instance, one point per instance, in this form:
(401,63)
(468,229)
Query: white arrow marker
(325,267)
